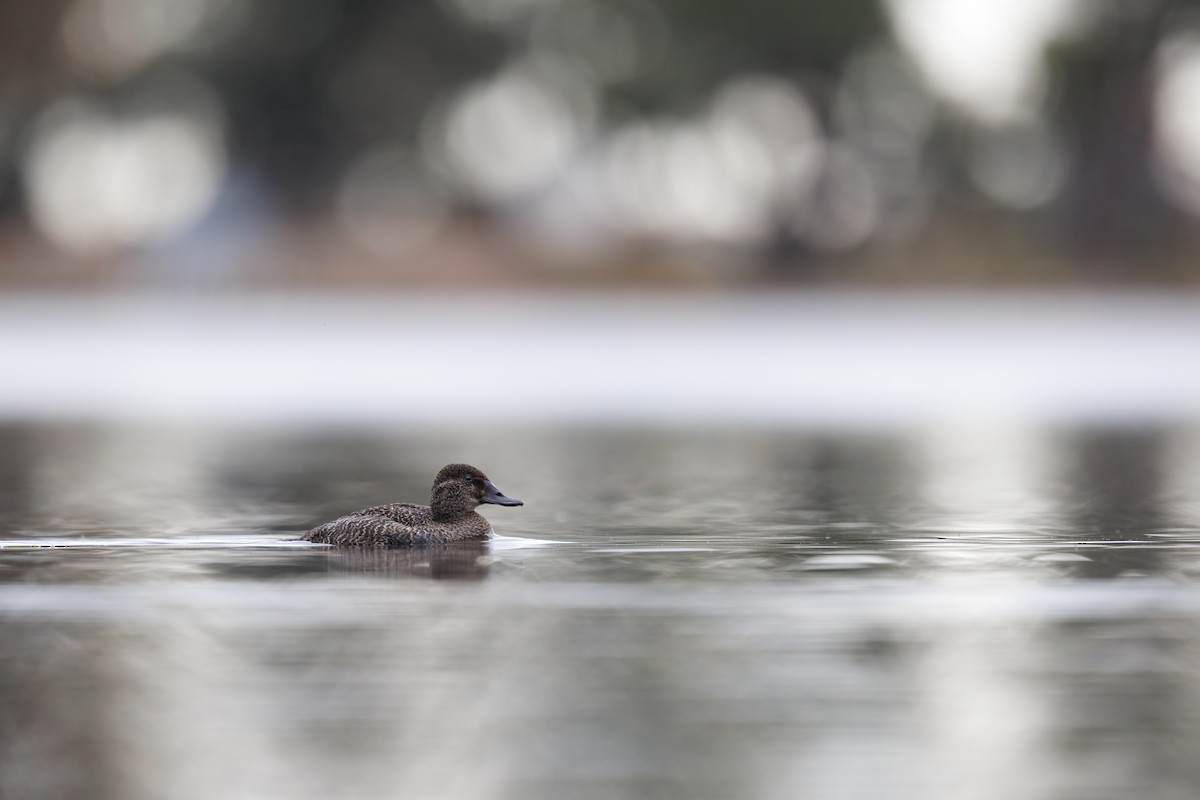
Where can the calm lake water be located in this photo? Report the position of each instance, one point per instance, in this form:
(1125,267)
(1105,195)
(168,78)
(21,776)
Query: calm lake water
(914,612)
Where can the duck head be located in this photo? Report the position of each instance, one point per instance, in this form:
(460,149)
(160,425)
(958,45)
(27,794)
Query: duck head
(459,488)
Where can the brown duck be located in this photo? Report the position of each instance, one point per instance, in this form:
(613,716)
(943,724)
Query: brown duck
(450,517)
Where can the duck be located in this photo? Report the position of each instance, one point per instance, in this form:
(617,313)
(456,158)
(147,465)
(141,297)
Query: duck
(458,489)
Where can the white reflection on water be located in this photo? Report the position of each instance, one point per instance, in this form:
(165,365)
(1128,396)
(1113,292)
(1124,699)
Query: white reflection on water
(989,477)
(176,542)
(1182,479)
(301,689)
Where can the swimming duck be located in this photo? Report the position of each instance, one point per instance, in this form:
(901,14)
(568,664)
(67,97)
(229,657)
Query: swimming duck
(450,517)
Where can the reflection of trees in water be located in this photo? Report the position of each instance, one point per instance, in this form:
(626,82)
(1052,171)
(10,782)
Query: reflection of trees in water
(734,481)
(860,479)
(1115,486)
(656,482)
(110,478)
(16,478)
(1119,702)
(322,477)
(1116,481)
(56,693)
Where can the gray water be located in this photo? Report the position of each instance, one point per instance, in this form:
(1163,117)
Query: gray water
(921,612)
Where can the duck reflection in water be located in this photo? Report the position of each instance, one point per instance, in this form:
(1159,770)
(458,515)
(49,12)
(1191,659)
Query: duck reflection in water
(464,561)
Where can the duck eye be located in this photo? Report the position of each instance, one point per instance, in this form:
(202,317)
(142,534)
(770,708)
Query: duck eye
(469,478)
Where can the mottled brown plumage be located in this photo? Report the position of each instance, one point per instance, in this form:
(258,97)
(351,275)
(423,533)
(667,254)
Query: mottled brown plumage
(457,490)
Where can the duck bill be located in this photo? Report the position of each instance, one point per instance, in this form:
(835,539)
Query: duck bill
(493,495)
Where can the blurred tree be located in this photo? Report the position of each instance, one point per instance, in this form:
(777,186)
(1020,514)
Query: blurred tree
(307,87)
(1113,209)
(710,41)
(304,98)
(29,69)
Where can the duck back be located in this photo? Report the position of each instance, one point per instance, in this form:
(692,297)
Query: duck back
(397,525)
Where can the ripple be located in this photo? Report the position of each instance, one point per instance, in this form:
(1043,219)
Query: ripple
(174,543)
(838,561)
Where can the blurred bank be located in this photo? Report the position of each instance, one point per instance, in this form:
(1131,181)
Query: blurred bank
(498,362)
(213,144)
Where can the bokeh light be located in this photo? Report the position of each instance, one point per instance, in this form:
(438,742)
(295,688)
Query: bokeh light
(99,181)
(513,133)
(985,57)
(1021,166)
(844,209)
(1177,113)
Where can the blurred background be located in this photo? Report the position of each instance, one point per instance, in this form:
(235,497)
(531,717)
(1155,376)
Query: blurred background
(211,144)
(659,210)
(844,353)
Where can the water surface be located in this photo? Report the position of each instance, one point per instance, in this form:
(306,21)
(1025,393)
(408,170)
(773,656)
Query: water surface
(934,611)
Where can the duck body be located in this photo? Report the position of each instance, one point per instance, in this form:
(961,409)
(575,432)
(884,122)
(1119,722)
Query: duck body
(398,525)
(451,517)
